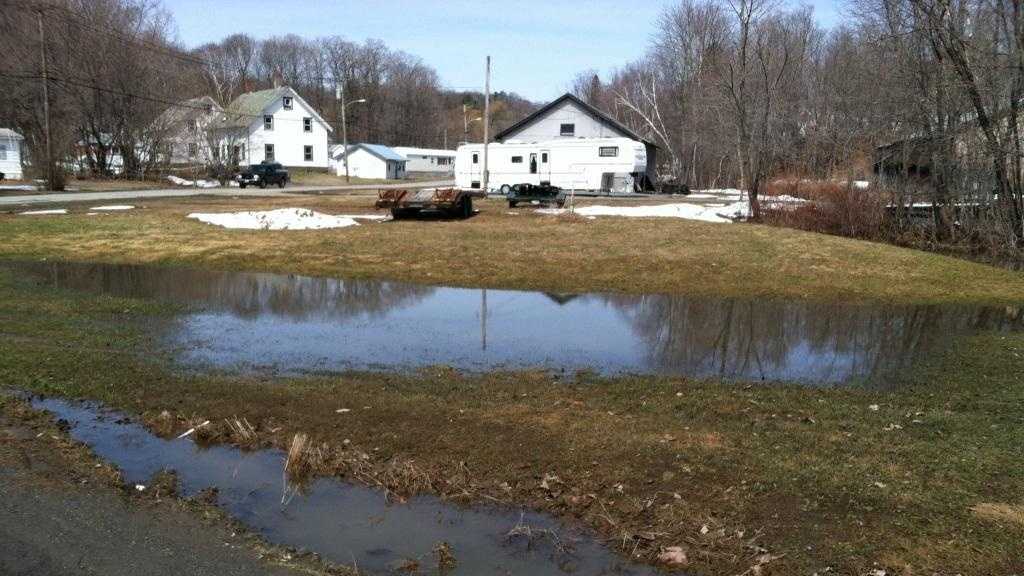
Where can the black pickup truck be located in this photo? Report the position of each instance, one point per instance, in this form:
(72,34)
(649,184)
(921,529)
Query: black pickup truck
(532,193)
(263,175)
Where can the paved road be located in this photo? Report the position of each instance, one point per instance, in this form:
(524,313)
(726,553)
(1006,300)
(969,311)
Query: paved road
(55,522)
(72,197)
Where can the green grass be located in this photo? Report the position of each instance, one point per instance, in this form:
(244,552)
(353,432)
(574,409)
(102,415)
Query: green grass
(523,251)
(814,475)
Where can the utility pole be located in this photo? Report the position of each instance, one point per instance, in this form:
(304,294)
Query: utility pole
(465,125)
(46,104)
(487,121)
(340,95)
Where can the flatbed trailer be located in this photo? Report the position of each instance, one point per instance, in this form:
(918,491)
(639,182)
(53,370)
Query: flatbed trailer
(410,203)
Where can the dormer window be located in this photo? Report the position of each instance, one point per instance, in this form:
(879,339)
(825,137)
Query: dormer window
(288,105)
(268,122)
(307,124)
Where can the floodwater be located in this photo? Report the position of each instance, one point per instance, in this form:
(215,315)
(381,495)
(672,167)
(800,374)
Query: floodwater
(290,324)
(344,523)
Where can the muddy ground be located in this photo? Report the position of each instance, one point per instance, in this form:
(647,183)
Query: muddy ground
(63,512)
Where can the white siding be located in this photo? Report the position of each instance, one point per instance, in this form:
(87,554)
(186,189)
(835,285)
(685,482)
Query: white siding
(10,158)
(548,127)
(427,160)
(287,136)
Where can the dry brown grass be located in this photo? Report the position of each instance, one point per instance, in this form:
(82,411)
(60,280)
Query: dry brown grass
(1012,514)
(525,251)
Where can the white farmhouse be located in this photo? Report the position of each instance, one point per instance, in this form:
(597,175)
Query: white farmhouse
(10,154)
(274,125)
(183,131)
(428,160)
(371,161)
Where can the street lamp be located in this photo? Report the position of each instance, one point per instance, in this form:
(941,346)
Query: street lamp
(340,95)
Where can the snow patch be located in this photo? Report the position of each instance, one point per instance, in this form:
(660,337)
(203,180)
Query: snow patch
(192,183)
(19,187)
(717,214)
(112,208)
(44,212)
(283,219)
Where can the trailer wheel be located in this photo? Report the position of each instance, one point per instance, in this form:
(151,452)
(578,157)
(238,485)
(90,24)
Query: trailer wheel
(399,214)
(512,203)
(465,209)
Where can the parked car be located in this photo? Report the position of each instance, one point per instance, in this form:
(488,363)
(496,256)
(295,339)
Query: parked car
(533,193)
(263,175)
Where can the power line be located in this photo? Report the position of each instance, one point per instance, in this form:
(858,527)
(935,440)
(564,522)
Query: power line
(155,99)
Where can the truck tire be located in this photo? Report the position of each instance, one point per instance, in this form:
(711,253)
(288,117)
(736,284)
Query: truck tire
(242,186)
(263,184)
(466,207)
(281,183)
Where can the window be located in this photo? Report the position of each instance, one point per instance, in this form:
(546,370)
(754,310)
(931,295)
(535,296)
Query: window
(568,130)
(268,122)
(239,152)
(517,159)
(288,103)
(476,158)
(3,151)
(608,151)
(307,153)
(193,149)
(268,153)
(543,157)
(307,124)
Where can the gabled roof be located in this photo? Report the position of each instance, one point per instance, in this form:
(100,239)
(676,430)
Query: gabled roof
(379,150)
(247,107)
(10,134)
(590,110)
(185,111)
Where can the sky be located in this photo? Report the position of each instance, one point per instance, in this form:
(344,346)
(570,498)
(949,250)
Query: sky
(536,46)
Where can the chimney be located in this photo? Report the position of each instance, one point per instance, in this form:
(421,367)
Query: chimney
(278,78)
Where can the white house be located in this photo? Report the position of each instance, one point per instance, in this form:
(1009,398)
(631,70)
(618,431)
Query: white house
(369,161)
(427,160)
(569,118)
(183,131)
(10,154)
(274,125)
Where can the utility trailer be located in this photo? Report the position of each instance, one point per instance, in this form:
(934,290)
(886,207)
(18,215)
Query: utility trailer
(409,203)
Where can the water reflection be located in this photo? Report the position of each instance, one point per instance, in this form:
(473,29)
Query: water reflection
(297,324)
(786,340)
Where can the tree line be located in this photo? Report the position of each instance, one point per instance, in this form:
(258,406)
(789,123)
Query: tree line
(114,67)
(926,92)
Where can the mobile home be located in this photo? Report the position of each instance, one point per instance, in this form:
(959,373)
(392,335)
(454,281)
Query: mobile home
(427,160)
(10,154)
(588,164)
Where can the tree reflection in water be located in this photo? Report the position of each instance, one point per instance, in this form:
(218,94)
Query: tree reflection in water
(244,294)
(795,340)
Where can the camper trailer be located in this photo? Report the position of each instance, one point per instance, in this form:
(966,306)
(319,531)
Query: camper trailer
(610,165)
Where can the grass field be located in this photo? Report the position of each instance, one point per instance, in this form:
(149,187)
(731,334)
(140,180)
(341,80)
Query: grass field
(919,481)
(925,479)
(500,248)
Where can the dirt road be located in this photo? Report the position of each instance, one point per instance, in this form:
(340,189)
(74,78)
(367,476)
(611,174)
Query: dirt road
(58,515)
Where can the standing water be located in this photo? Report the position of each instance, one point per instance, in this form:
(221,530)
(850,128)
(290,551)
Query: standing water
(343,523)
(296,324)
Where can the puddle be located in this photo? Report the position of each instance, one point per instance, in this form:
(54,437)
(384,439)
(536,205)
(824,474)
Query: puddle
(343,523)
(291,324)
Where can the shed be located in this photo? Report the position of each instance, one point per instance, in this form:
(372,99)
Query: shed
(10,154)
(374,161)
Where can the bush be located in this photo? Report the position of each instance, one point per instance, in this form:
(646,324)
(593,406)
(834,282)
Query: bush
(833,208)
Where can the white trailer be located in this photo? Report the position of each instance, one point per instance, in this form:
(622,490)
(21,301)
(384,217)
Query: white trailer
(583,164)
